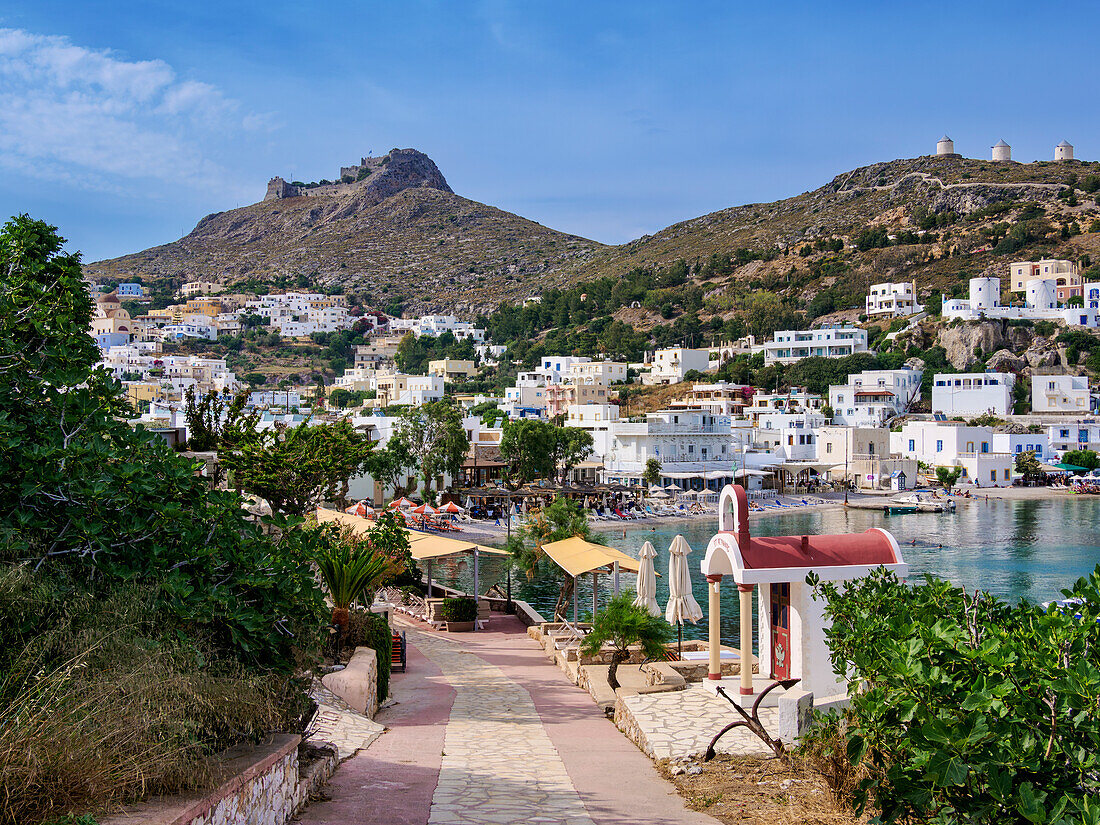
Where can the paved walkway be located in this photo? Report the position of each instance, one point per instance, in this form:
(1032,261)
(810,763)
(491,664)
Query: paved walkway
(487,730)
(682,723)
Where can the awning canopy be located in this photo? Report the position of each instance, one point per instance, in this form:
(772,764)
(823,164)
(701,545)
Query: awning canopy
(1072,468)
(421,545)
(576,556)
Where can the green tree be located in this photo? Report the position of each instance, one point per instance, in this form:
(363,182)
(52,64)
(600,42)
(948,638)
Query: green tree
(948,476)
(391,465)
(217,419)
(296,468)
(652,473)
(1028,465)
(527,448)
(622,624)
(435,438)
(964,708)
(572,445)
(1081,458)
(97,505)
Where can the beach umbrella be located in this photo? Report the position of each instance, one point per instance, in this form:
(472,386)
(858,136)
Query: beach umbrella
(682,606)
(647,581)
(450,507)
(425,510)
(361,509)
(402,503)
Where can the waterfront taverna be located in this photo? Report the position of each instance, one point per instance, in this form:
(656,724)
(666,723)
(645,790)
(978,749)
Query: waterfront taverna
(791,623)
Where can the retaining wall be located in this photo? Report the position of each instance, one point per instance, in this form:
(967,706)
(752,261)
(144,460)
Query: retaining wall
(260,787)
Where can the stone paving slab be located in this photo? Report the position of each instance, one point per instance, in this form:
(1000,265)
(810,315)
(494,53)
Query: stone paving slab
(682,723)
(499,765)
(339,724)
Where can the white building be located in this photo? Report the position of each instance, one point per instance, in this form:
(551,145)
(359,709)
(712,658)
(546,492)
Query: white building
(357,379)
(789,346)
(953,444)
(872,397)
(669,366)
(176,332)
(1041,304)
(597,419)
(1060,394)
(1063,151)
(945,146)
(691,444)
(1080,435)
(1001,151)
(862,454)
(790,436)
(973,393)
(796,399)
(893,299)
(436,325)
(1016,443)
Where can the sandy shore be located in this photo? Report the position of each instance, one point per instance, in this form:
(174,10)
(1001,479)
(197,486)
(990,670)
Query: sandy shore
(488,532)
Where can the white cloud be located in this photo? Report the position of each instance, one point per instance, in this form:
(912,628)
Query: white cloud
(78,115)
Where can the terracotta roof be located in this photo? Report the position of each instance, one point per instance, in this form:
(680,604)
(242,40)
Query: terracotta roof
(871,548)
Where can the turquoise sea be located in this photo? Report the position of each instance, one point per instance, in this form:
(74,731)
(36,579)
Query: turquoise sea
(1026,549)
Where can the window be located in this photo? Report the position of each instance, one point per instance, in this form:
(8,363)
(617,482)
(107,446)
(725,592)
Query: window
(985,446)
(1006,475)
(939,446)
(992,475)
(912,444)
(1019,448)
(829,447)
(970,446)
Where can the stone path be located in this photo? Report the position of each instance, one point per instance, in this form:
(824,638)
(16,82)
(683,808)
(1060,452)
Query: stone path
(485,729)
(499,765)
(682,723)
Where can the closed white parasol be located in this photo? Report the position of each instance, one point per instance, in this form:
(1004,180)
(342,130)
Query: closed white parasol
(647,580)
(682,606)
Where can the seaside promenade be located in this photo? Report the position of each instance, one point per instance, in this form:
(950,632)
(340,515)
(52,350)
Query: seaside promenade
(486,730)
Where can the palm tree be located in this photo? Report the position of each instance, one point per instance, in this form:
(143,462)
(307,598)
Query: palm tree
(349,568)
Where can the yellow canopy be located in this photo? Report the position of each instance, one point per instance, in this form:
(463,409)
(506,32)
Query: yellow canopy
(576,556)
(422,545)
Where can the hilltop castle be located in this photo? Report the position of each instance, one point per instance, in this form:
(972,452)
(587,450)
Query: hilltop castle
(399,169)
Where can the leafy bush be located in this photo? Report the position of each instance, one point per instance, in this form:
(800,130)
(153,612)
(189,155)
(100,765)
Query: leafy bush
(965,708)
(367,629)
(459,609)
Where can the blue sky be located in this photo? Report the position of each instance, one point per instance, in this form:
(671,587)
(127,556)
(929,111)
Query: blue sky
(125,122)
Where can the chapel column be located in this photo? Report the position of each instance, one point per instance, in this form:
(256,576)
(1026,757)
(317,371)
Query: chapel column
(714,616)
(744,591)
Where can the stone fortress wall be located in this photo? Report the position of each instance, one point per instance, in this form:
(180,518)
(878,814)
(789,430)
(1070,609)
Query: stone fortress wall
(398,170)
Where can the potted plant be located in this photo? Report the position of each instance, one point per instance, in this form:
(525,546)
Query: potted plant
(459,614)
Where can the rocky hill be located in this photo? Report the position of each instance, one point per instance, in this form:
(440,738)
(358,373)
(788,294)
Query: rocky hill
(389,228)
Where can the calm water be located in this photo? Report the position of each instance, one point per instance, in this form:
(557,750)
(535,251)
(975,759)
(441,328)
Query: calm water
(1013,549)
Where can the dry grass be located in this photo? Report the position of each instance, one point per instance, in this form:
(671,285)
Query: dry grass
(124,715)
(758,791)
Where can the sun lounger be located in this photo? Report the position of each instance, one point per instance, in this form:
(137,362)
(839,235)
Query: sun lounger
(703,655)
(570,635)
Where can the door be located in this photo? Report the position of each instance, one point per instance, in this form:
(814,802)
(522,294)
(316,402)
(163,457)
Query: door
(781,630)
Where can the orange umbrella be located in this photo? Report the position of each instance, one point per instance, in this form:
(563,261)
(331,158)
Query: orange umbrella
(425,510)
(402,503)
(450,507)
